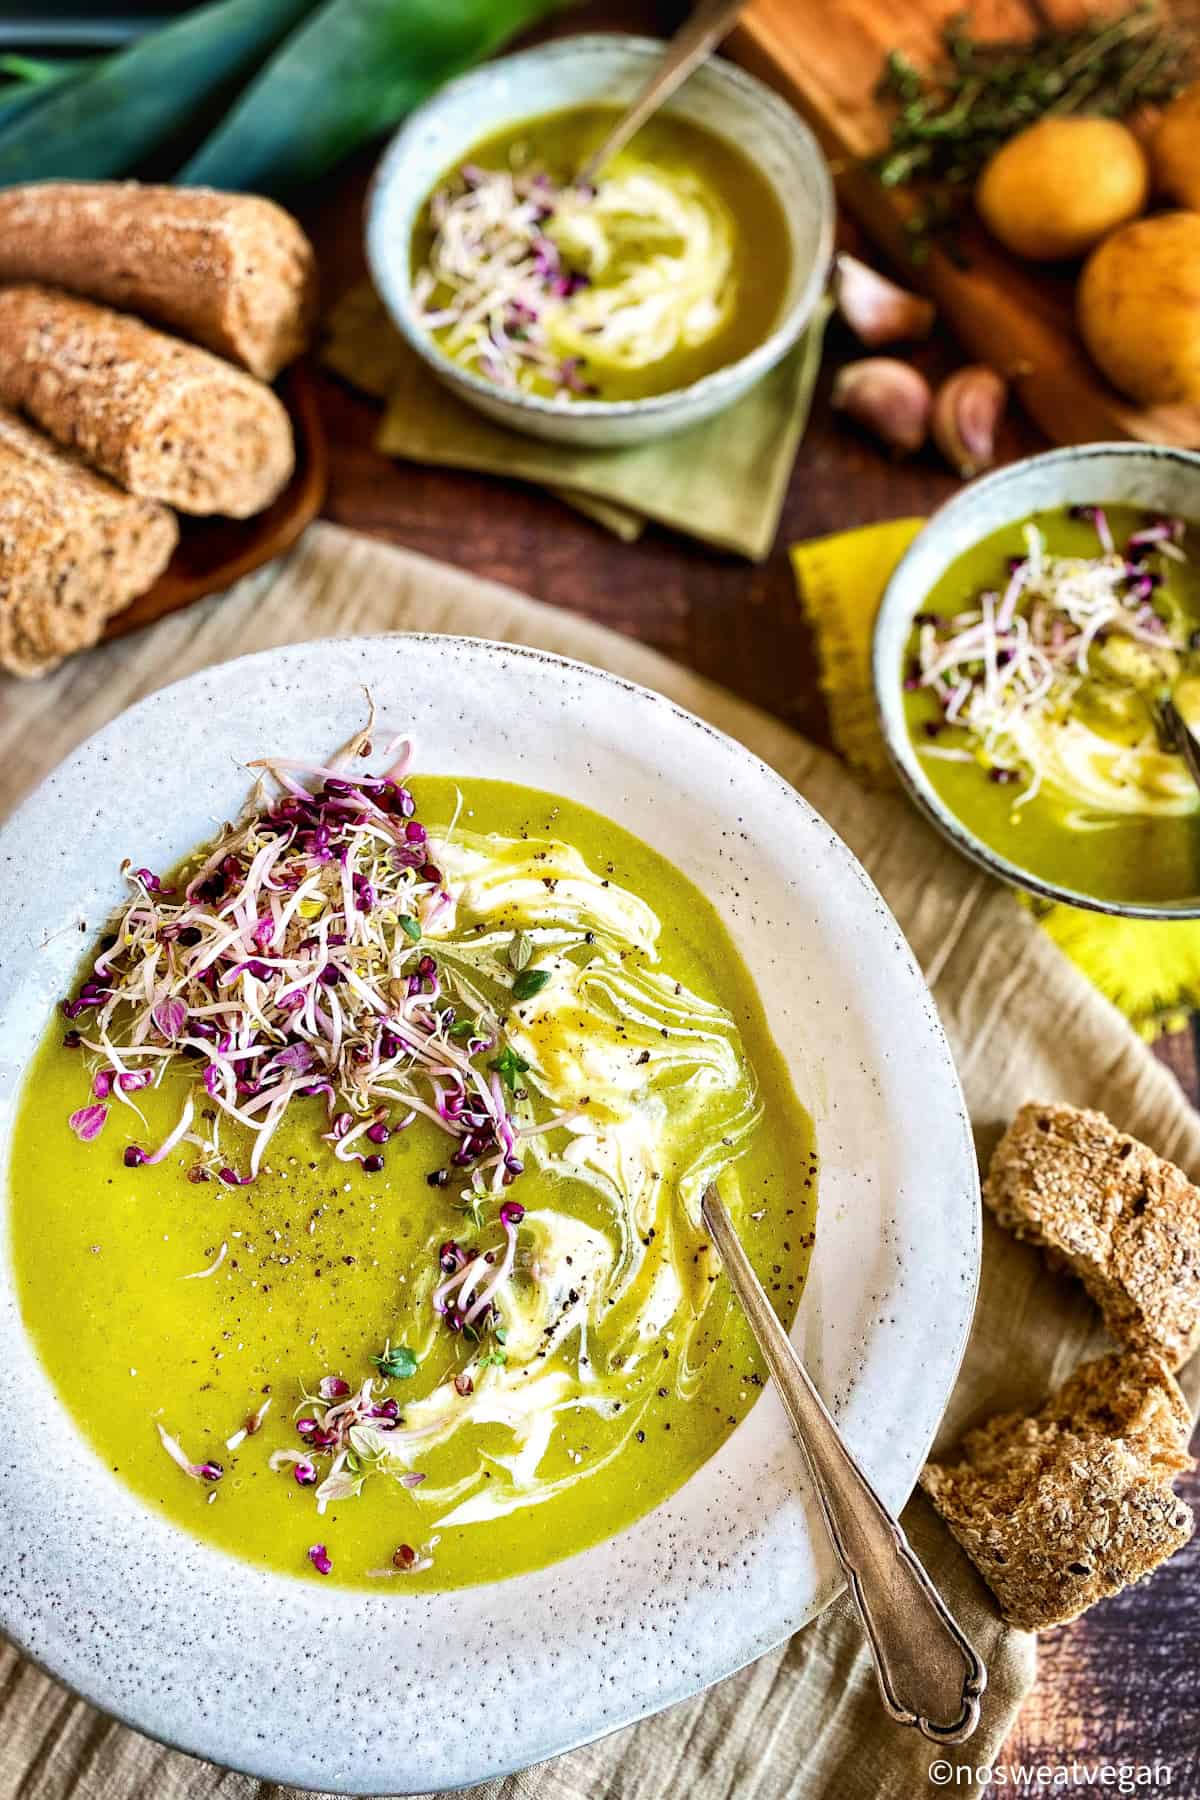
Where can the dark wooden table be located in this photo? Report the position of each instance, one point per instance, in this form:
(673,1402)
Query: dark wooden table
(1122,1685)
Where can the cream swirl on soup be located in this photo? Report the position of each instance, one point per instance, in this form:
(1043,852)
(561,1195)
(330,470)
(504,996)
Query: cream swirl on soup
(373,1150)
(1034,678)
(645,280)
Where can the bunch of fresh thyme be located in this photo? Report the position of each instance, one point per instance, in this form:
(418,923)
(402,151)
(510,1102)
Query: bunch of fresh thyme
(950,120)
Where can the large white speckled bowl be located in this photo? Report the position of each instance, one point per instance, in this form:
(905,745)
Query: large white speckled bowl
(304,1682)
(579,71)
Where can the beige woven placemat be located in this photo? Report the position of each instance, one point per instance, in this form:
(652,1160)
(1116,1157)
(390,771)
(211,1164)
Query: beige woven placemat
(804,1720)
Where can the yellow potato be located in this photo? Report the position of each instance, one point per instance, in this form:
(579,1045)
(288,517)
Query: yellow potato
(1061,185)
(1175,149)
(1139,308)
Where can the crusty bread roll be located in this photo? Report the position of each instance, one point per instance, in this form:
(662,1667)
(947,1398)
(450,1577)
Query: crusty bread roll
(167,421)
(73,549)
(231,271)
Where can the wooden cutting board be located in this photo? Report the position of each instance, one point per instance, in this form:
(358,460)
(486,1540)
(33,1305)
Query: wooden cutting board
(826,57)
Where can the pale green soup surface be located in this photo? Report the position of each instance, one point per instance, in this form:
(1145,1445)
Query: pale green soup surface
(679,264)
(1063,835)
(323,1265)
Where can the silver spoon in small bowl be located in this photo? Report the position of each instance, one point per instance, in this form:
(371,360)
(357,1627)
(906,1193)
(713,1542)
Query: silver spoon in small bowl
(697,38)
(929,1673)
(1177,735)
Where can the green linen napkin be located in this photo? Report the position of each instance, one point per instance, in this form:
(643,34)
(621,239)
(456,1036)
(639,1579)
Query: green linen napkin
(722,481)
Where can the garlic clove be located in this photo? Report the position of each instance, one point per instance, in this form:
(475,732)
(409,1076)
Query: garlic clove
(967,409)
(875,309)
(890,398)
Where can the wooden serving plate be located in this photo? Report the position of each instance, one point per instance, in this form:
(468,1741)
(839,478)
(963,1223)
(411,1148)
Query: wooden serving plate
(214,553)
(1017,316)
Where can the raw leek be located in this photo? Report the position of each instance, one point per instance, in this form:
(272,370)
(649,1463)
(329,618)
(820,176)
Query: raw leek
(354,69)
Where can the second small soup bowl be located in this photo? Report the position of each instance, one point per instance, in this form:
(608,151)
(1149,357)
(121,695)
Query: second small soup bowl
(580,72)
(1151,479)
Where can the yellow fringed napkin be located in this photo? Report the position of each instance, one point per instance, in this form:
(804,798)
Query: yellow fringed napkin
(722,481)
(1151,971)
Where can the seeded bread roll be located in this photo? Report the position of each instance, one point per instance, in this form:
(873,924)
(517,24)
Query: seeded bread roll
(166,420)
(73,550)
(230,271)
(1125,1221)
(1073,1503)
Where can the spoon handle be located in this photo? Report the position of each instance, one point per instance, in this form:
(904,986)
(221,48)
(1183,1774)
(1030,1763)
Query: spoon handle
(697,37)
(929,1674)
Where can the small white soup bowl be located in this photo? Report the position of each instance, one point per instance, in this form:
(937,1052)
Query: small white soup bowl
(581,71)
(1121,474)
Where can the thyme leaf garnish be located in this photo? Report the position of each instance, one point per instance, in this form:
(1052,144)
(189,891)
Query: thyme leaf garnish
(508,1065)
(529,982)
(398,1362)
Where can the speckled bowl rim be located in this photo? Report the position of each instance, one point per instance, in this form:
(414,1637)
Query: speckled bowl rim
(218,1724)
(888,694)
(391,272)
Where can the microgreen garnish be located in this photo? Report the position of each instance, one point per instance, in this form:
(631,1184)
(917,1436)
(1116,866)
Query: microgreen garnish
(348,1440)
(283,969)
(529,982)
(1006,669)
(520,950)
(472,1205)
(199,1471)
(398,1362)
(466,1298)
(509,1066)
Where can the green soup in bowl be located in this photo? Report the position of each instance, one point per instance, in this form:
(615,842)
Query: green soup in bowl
(615,311)
(670,265)
(379,1216)
(1023,653)
(686,1539)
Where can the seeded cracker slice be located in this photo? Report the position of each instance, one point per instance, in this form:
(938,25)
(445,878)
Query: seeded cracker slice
(1122,1219)
(1068,1505)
